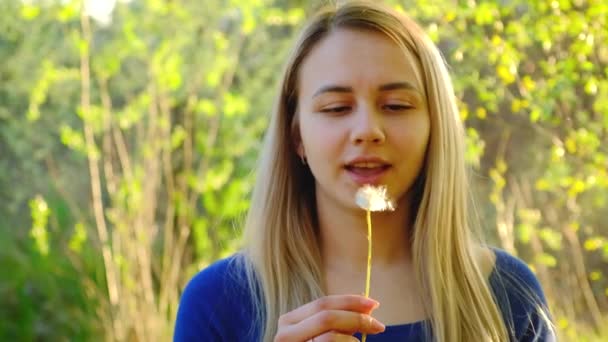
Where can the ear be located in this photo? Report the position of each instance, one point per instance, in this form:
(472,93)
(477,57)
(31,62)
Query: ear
(296,138)
(300,149)
(297,142)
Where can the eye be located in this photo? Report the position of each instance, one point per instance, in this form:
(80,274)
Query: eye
(397,107)
(335,110)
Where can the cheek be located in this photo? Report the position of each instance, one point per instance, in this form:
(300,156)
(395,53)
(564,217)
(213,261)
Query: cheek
(412,138)
(319,138)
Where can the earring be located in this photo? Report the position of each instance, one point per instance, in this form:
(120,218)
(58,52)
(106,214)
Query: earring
(303,159)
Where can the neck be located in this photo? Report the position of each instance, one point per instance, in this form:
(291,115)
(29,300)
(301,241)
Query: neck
(343,233)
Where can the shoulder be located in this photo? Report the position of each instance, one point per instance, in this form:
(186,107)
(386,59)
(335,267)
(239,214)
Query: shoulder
(520,298)
(224,275)
(507,270)
(216,304)
(513,273)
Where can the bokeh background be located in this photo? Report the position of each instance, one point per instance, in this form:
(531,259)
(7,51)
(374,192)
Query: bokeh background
(129,132)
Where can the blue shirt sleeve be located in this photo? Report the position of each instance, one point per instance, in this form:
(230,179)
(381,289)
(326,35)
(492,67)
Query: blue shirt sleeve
(215,306)
(521,299)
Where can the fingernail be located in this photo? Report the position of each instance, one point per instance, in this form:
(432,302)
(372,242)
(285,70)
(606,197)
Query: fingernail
(377,326)
(370,303)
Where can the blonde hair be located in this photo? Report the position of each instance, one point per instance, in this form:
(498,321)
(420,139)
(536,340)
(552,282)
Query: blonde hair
(281,236)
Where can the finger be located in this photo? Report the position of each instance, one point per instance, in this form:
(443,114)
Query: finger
(344,322)
(333,336)
(334,302)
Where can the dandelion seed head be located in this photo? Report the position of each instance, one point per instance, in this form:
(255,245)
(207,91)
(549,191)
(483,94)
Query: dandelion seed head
(373,198)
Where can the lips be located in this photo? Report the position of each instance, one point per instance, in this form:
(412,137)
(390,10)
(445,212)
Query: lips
(367,170)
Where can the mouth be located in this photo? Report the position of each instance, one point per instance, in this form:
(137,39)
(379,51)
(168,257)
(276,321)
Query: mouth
(367,172)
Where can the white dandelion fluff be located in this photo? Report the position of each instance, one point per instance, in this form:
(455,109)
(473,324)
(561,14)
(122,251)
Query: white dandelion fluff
(373,198)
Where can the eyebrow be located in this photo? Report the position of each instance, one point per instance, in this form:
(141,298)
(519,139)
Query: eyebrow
(385,87)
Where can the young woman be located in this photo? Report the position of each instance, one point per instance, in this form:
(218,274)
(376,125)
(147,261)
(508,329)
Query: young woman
(365,99)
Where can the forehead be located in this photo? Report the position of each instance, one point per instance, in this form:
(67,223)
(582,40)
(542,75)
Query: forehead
(358,59)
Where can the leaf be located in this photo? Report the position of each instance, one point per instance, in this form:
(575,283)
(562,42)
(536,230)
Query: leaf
(475,147)
(535,115)
(29,12)
(201,237)
(552,238)
(506,74)
(232,198)
(235,105)
(524,233)
(484,13)
(72,139)
(177,137)
(39,232)
(68,11)
(206,107)
(546,259)
(594,243)
(78,238)
(595,275)
(216,177)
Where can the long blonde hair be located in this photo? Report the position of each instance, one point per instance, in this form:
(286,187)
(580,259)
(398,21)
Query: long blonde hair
(281,236)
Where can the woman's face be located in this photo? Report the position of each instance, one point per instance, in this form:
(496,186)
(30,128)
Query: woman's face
(362,115)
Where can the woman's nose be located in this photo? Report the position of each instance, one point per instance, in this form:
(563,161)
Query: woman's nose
(367,127)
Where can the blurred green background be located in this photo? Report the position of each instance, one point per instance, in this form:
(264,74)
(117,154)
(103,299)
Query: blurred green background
(129,131)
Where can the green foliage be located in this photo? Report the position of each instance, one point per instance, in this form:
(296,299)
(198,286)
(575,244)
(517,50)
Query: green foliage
(40,215)
(534,72)
(47,293)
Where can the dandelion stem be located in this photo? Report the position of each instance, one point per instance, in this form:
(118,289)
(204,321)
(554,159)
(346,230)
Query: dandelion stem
(369,252)
(369,261)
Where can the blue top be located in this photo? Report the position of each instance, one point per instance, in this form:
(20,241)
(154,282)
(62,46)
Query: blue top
(216,305)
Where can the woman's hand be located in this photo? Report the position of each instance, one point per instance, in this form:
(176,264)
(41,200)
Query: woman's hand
(330,318)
